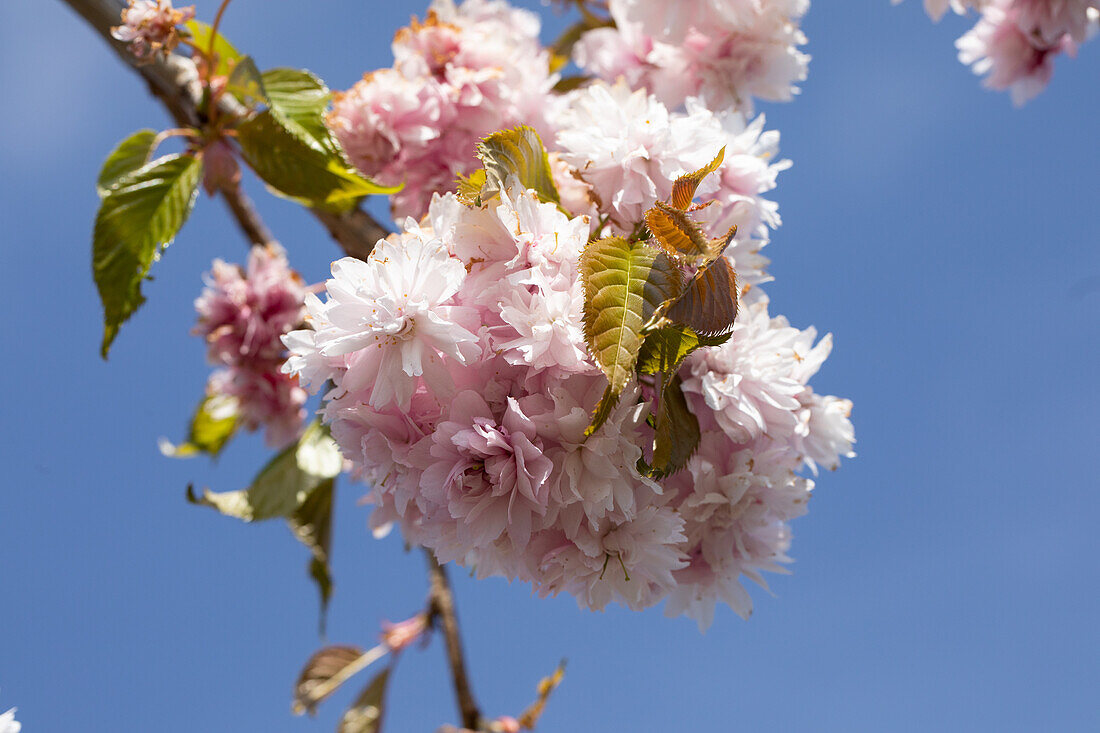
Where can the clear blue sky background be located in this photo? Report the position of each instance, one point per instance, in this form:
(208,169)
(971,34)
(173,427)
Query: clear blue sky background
(946,578)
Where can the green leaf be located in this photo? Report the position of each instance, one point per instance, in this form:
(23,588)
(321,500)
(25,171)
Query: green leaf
(365,714)
(137,219)
(130,154)
(227,55)
(212,425)
(624,284)
(603,410)
(709,303)
(297,485)
(469,187)
(518,152)
(326,670)
(296,168)
(299,99)
(676,434)
(246,84)
(312,525)
(285,484)
(665,349)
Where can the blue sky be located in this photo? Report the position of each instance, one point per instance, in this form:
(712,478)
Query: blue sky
(945,579)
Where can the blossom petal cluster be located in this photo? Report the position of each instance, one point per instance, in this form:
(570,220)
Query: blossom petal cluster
(462,73)
(725,52)
(456,376)
(243,315)
(149,26)
(1015,42)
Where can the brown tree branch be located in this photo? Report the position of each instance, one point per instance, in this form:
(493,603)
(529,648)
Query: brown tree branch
(442,608)
(175,82)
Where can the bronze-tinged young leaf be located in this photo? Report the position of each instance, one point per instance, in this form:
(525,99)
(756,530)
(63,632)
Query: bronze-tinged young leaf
(326,670)
(709,303)
(530,717)
(678,234)
(365,714)
(296,168)
(518,152)
(212,425)
(718,245)
(676,433)
(624,284)
(137,219)
(130,154)
(684,187)
(665,349)
(223,49)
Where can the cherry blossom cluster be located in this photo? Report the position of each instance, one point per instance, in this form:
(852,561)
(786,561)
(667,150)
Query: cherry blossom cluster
(459,383)
(243,315)
(725,52)
(149,26)
(1015,42)
(457,76)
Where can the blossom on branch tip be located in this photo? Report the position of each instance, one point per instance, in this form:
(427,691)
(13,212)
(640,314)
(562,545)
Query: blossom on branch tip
(149,26)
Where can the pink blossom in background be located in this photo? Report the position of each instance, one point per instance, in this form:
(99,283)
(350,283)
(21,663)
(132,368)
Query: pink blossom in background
(1013,59)
(403,633)
(243,315)
(1015,42)
(149,26)
(726,53)
(464,72)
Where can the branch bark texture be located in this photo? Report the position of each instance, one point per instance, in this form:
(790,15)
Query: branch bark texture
(442,605)
(175,82)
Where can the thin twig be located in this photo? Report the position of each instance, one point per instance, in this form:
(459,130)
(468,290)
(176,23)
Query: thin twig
(442,605)
(175,82)
(245,213)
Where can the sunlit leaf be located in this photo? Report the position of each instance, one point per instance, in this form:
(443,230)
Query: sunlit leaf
(246,84)
(709,302)
(365,714)
(684,187)
(603,410)
(326,670)
(665,349)
(299,98)
(296,168)
(469,187)
(227,55)
(130,154)
(676,433)
(137,219)
(284,485)
(624,282)
(678,234)
(212,425)
(518,152)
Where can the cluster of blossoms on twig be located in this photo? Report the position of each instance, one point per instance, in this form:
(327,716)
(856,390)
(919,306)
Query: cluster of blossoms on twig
(243,314)
(463,384)
(150,27)
(1015,42)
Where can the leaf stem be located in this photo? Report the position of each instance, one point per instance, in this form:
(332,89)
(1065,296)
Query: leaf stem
(442,608)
